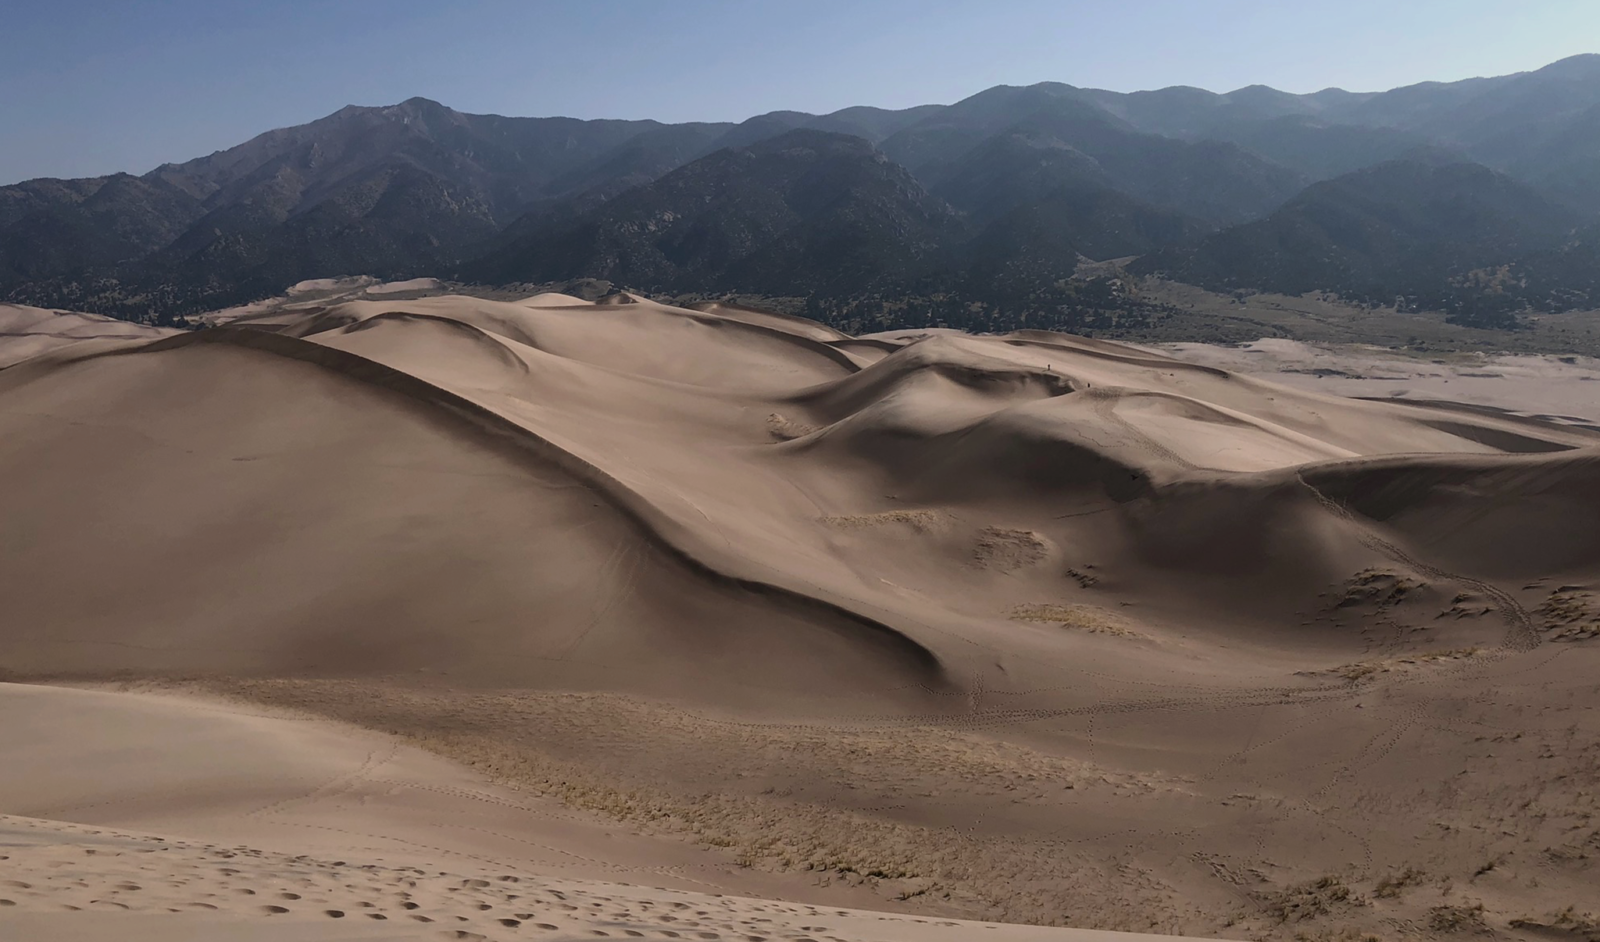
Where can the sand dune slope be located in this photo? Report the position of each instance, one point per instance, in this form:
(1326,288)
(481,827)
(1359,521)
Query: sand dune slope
(1025,627)
(194,820)
(26,332)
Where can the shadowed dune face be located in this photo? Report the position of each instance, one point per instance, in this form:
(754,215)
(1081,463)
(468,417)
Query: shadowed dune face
(1030,627)
(322,525)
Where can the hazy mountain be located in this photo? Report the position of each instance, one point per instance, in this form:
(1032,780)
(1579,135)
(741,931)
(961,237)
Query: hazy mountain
(1315,148)
(52,226)
(1049,232)
(1528,124)
(389,191)
(505,162)
(1046,172)
(871,124)
(803,212)
(1439,232)
(1067,141)
(830,219)
(637,160)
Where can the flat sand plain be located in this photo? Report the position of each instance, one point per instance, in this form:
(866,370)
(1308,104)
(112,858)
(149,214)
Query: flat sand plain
(1561,388)
(1026,629)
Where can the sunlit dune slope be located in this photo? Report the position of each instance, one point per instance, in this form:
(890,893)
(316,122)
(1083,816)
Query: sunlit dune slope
(714,503)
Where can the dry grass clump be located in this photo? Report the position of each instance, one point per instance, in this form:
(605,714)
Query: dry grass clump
(1569,921)
(1007,550)
(1380,588)
(1362,670)
(784,429)
(1395,884)
(1076,617)
(1570,614)
(1308,900)
(922,521)
(1346,934)
(1085,580)
(1463,918)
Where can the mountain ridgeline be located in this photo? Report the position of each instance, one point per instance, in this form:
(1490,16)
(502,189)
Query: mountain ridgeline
(1478,198)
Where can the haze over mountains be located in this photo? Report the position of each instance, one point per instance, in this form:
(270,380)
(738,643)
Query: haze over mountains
(1478,198)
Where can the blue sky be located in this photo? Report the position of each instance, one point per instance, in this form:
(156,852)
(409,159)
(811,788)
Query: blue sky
(93,87)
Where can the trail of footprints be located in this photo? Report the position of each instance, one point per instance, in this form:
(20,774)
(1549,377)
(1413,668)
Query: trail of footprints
(96,869)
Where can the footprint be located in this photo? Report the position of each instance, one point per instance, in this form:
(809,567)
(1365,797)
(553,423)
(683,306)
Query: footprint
(7,902)
(421,918)
(510,923)
(288,896)
(274,910)
(334,913)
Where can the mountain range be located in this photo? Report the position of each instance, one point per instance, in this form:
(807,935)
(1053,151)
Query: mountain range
(1480,198)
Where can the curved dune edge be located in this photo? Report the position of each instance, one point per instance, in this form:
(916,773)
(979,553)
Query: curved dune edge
(656,527)
(660,530)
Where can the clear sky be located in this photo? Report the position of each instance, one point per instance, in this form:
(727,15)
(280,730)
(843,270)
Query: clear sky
(93,87)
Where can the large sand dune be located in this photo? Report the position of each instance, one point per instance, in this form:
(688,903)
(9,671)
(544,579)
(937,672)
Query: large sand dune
(1030,627)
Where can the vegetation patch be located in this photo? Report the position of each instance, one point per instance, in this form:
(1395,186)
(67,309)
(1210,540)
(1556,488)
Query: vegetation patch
(1362,670)
(922,521)
(1007,550)
(784,429)
(1395,884)
(1076,617)
(1570,614)
(1379,588)
(1462,918)
(1569,921)
(1309,900)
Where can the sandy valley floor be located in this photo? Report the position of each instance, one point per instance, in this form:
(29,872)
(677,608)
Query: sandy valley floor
(636,604)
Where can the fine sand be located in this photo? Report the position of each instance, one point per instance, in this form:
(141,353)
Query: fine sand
(1028,629)
(294,829)
(1560,389)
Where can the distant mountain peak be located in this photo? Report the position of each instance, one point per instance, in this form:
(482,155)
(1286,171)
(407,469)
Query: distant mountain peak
(1582,65)
(417,188)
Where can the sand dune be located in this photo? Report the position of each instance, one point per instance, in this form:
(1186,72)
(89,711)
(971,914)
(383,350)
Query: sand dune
(294,829)
(29,331)
(1029,627)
